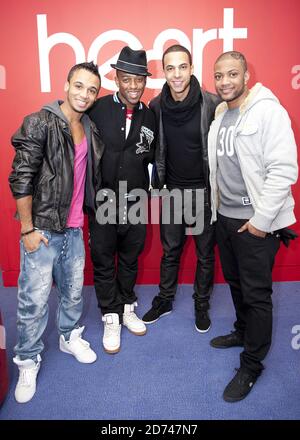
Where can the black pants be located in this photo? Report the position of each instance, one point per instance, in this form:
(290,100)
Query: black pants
(114,285)
(247,263)
(173,238)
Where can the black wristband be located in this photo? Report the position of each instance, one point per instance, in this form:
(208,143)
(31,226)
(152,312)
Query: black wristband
(28,232)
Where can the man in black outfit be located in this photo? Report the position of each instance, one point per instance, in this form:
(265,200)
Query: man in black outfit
(183,113)
(127,128)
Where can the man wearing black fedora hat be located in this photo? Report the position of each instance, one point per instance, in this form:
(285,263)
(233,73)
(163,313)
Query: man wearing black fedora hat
(132,61)
(127,127)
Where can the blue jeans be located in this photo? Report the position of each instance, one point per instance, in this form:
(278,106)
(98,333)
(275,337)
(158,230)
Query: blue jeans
(62,261)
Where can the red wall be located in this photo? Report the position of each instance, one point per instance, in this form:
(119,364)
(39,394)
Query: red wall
(267,32)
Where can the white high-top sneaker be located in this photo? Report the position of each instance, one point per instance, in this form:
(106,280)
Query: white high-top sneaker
(132,322)
(112,333)
(28,371)
(78,347)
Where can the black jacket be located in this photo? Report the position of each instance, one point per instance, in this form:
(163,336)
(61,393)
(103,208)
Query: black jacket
(124,159)
(208,103)
(43,166)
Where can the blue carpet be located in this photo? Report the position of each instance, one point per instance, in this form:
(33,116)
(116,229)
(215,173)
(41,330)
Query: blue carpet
(172,373)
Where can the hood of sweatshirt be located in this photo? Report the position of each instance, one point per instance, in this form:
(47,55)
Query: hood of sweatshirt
(256,94)
(54,107)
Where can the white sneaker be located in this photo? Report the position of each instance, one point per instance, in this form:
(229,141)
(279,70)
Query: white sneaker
(132,322)
(78,347)
(112,333)
(28,371)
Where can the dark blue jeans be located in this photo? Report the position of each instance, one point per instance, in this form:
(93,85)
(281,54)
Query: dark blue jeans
(247,263)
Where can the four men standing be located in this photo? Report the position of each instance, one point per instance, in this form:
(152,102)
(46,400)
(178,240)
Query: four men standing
(244,162)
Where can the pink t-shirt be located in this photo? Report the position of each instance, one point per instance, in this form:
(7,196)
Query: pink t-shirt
(76,217)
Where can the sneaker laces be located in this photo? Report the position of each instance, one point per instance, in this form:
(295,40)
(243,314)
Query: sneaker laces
(111,329)
(202,314)
(82,342)
(243,376)
(131,316)
(26,376)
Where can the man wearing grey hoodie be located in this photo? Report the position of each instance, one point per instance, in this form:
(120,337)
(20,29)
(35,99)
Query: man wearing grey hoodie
(253,163)
(54,149)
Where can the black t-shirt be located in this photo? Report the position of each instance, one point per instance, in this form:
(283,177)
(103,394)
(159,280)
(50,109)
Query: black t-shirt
(184,153)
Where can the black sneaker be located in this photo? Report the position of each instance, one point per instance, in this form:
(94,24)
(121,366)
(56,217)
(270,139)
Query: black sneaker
(227,341)
(159,308)
(202,321)
(240,386)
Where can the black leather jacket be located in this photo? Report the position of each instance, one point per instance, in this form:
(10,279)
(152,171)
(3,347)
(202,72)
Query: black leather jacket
(44,165)
(208,104)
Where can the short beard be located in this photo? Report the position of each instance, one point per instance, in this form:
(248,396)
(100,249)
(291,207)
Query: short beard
(236,96)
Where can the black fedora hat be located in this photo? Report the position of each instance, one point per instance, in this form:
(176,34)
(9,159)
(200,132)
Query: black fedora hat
(132,61)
